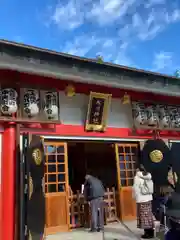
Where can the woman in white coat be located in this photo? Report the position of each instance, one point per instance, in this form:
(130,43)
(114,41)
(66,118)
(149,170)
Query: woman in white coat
(143,190)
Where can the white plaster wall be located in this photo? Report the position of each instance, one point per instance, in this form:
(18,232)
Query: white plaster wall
(73,111)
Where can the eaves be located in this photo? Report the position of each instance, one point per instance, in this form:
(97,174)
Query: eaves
(76,74)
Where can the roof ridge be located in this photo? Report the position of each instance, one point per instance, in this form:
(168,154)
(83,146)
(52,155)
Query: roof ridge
(90,60)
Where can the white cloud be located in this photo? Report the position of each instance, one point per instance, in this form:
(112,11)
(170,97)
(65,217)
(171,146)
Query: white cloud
(108,43)
(151,3)
(147,27)
(74,13)
(81,45)
(163,60)
(173,17)
(112,50)
(107,11)
(68,16)
(112,26)
(123,59)
(126,15)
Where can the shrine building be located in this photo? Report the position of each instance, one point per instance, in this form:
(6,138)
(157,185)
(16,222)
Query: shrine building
(92,116)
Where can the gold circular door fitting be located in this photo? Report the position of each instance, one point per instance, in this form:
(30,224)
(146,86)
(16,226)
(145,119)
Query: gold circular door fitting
(37,156)
(156,156)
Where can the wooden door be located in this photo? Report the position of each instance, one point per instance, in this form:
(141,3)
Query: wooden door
(56,188)
(126,160)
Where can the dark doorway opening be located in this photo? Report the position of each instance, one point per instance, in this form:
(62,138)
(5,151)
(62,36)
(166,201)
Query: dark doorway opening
(95,158)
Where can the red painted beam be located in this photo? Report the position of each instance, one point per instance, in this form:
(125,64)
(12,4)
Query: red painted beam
(111,132)
(60,85)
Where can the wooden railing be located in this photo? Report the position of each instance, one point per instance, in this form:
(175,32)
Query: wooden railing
(78,211)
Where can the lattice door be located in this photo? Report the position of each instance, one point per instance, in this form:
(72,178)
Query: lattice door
(56,187)
(126,160)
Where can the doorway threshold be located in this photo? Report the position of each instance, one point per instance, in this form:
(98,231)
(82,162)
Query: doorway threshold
(114,231)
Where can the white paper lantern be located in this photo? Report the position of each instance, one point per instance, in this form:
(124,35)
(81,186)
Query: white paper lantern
(8,101)
(175,117)
(177,123)
(177,120)
(164,122)
(51,109)
(139,113)
(164,117)
(31,101)
(152,115)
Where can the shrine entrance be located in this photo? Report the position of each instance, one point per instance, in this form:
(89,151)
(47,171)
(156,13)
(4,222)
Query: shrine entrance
(97,159)
(115,165)
(66,167)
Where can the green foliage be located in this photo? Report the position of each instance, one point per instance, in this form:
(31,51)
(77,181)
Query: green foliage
(100,59)
(177,73)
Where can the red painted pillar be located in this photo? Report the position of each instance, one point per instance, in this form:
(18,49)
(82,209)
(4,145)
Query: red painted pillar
(8,182)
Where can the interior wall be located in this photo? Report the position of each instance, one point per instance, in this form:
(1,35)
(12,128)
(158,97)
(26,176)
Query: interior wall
(76,165)
(102,163)
(97,159)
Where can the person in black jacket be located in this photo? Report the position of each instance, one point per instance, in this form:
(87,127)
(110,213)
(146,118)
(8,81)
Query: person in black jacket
(94,194)
(173,216)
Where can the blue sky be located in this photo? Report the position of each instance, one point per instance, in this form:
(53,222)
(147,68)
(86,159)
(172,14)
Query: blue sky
(137,33)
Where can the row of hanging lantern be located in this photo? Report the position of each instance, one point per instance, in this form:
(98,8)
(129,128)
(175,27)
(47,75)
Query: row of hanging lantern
(151,115)
(32,100)
(31,103)
(156,115)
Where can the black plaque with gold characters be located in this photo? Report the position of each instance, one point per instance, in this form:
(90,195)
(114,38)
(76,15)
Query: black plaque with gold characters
(97,112)
(36,196)
(156,157)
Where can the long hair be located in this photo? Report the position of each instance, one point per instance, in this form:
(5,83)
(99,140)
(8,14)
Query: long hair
(143,170)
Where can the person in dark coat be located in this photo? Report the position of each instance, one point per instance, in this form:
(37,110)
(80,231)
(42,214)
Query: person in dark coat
(94,194)
(173,215)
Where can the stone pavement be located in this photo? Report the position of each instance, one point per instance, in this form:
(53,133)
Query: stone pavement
(112,231)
